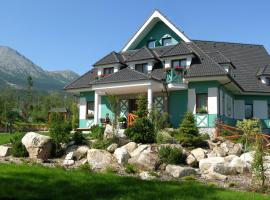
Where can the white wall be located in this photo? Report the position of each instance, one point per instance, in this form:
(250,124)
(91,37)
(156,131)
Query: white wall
(221,103)
(82,108)
(239,109)
(260,109)
(192,101)
(212,100)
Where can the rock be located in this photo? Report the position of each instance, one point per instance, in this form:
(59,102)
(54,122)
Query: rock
(219,152)
(139,150)
(130,147)
(215,176)
(198,153)
(178,172)
(108,132)
(69,156)
(146,176)
(99,159)
(238,165)
(224,169)
(5,151)
(71,148)
(227,146)
(191,160)
(236,150)
(38,146)
(212,144)
(120,133)
(207,164)
(81,152)
(247,158)
(229,158)
(145,160)
(68,162)
(122,155)
(112,147)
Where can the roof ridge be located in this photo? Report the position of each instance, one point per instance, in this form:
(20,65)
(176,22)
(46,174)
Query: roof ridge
(239,43)
(89,71)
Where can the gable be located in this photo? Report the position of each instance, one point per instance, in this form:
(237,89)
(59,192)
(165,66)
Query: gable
(159,31)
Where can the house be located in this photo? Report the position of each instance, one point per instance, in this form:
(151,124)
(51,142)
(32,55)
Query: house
(214,80)
(64,112)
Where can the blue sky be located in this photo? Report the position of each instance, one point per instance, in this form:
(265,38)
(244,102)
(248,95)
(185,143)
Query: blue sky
(69,34)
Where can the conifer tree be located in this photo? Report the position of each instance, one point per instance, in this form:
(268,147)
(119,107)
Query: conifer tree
(188,126)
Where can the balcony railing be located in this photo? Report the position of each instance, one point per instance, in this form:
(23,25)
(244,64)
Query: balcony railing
(172,76)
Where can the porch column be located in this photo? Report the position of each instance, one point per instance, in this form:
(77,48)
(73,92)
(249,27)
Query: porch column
(149,98)
(96,109)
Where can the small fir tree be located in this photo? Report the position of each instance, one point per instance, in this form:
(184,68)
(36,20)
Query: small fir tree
(188,125)
(142,110)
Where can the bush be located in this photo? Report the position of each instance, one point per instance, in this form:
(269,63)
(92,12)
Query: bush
(97,132)
(18,149)
(85,167)
(60,133)
(188,133)
(164,137)
(142,131)
(142,110)
(171,155)
(101,144)
(79,138)
(131,169)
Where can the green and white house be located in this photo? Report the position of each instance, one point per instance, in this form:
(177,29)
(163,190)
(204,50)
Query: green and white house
(214,80)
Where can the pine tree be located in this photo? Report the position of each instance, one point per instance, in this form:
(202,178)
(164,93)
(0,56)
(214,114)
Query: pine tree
(188,126)
(142,110)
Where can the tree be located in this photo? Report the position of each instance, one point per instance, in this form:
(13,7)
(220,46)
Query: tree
(75,116)
(249,127)
(113,102)
(142,110)
(158,118)
(258,162)
(188,125)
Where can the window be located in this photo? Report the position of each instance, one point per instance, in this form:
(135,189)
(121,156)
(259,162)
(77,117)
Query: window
(141,67)
(90,109)
(182,63)
(268,111)
(267,81)
(166,41)
(151,44)
(108,70)
(248,111)
(201,103)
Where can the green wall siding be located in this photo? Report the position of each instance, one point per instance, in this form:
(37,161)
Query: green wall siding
(178,101)
(90,96)
(105,107)
(156,33)
(202,86)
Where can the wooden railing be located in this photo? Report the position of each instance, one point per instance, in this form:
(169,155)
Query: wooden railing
(131,119)
(234,133)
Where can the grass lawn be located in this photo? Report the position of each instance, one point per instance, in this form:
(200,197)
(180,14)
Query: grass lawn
(5,137)
(35,182)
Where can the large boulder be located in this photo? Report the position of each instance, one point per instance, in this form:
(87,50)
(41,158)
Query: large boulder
(145,160)
(130,147)
(5,151)
(80,152)
(191,160)
(236,150)
(208,164)
(238,165)
(247,158)
(139,150)
(68,163)
(99,159)
(122,155)
(199,153)
(215,176)
(112,147)
(108,132)
(219,152)
(38,146)
(227,145)
(178,171)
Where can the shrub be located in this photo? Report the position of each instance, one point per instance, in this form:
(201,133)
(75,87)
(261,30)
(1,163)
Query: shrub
(158,118)
(79,138)
(110,170)
(142,131)
(60,133)
(97,132)
(190,141)
(85,167)
(171,155)
(101,144)
(188,126)
(131,169)
(164,137)
(142,110)
(18,149)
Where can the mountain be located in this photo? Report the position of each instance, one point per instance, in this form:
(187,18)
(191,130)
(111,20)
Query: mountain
(15,68)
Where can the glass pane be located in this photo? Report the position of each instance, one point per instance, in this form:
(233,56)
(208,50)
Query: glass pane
(141,68)
(201,103)
(90,107)
(108,70)
(151,44)
(248,111)
(166,41)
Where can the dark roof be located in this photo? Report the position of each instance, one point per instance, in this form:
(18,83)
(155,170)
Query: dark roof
(247,59)
(218,57)
(265,70)
(59,110)
(83,81)
(175,50)
(123,75)
(142,54)
(111,58)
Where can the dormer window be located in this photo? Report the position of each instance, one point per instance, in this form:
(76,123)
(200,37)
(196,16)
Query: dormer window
(108,70)
(166,41)
(151,44)
(179,63)
(141,68)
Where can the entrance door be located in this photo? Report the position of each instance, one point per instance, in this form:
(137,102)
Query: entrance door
(132,106)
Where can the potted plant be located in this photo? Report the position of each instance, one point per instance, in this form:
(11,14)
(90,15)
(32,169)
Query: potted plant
(90,116)
(179,69)
(122,122)
(202,110)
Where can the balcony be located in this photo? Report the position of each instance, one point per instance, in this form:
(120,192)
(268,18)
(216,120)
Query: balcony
(174,79)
